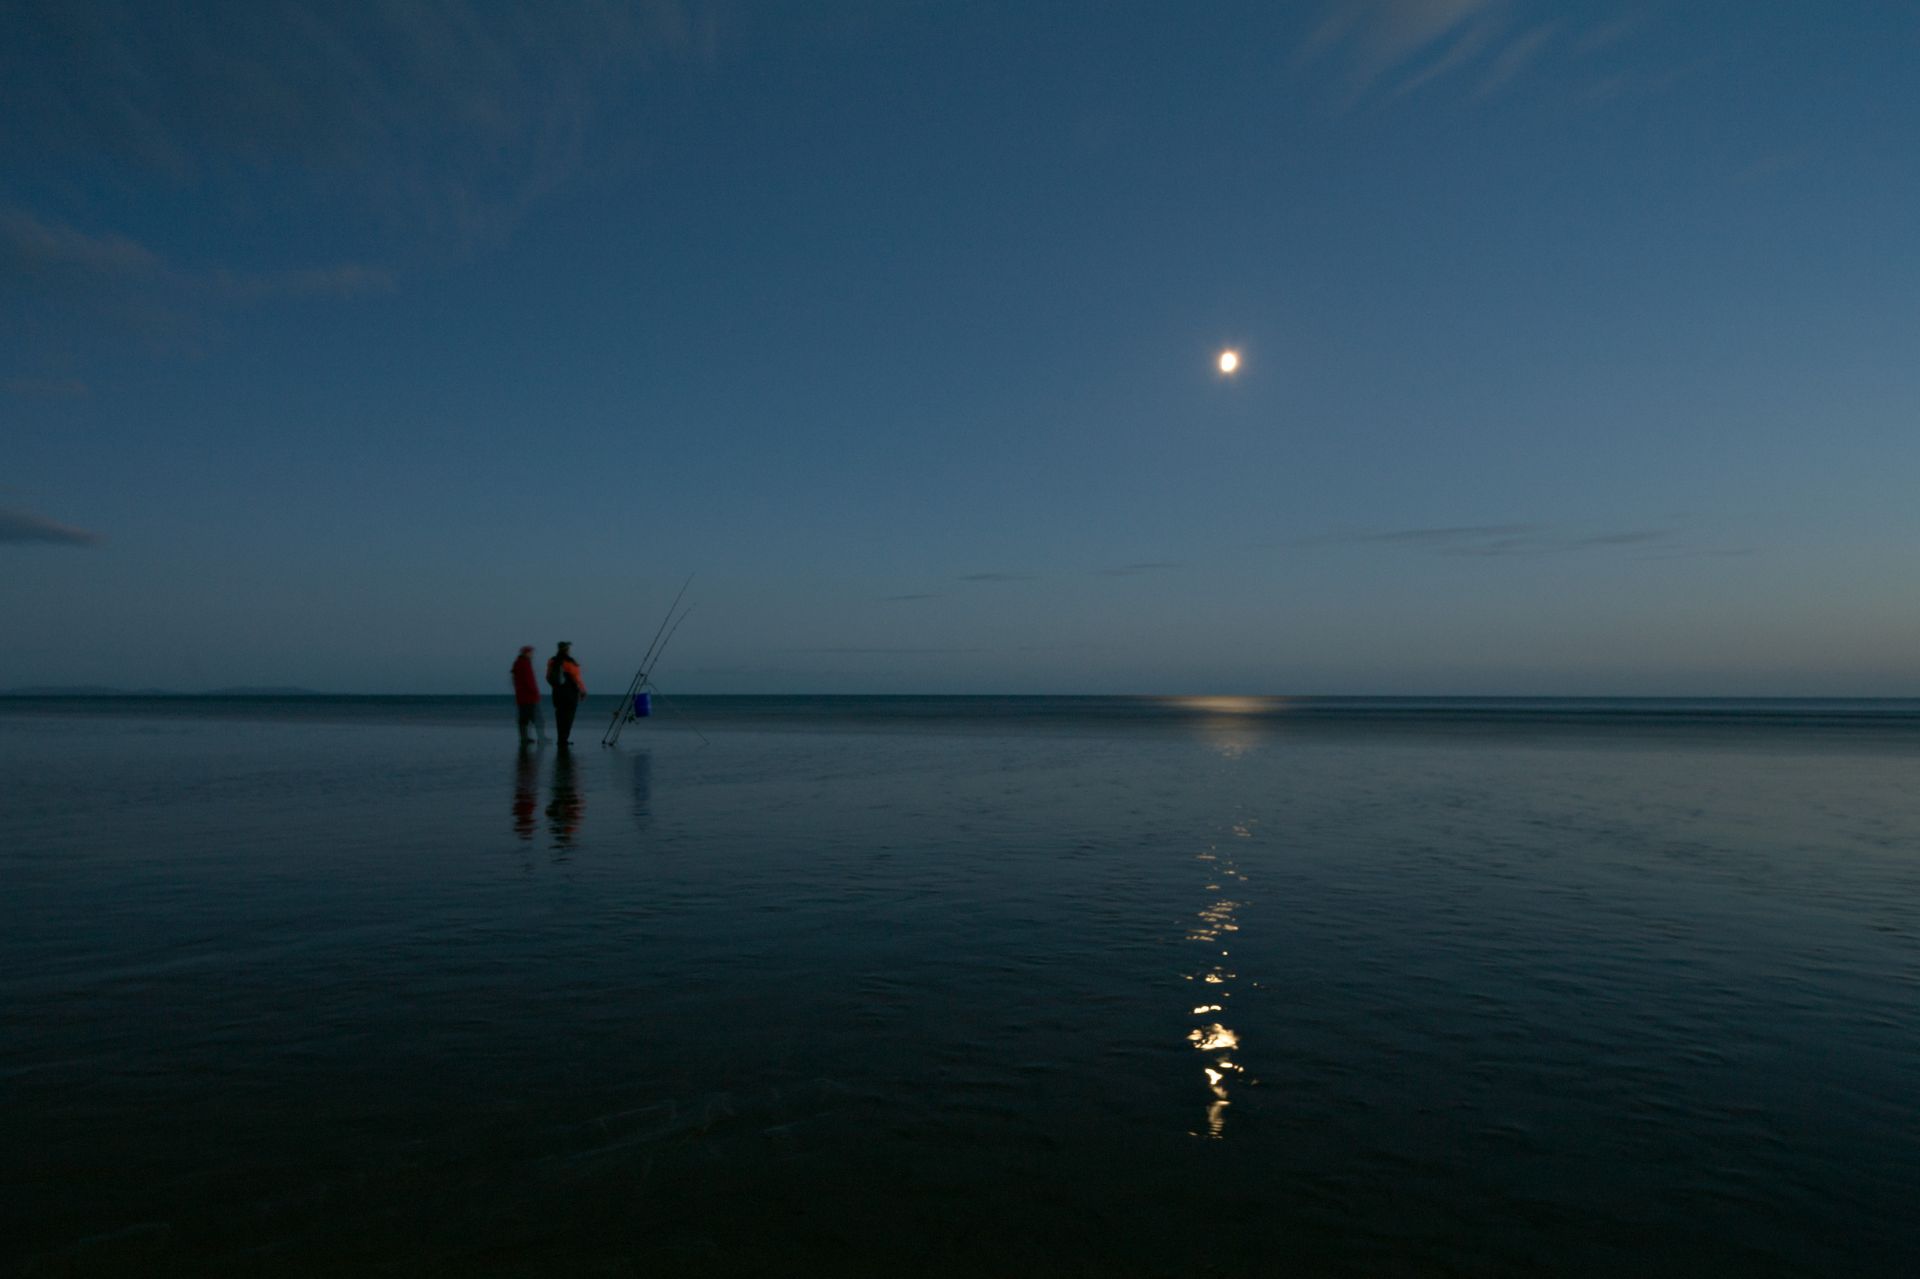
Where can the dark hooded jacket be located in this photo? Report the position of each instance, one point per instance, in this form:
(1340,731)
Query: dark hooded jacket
(563,677)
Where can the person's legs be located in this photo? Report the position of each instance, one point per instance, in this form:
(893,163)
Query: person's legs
(563,709)
(527,719)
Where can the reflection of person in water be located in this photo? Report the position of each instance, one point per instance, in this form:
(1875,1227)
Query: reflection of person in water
(566,807)
(526,792)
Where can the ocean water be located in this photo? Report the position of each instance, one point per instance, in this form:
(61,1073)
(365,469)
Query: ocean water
(1033,986)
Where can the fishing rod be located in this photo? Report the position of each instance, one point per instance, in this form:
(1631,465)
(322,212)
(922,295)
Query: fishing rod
(669,639)
(637,702)
(646,659)
(630,706)
(627,708)
(626,699)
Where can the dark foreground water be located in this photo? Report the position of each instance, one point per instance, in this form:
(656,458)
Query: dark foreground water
(976,987)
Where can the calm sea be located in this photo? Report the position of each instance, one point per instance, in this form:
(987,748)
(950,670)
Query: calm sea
(967,986)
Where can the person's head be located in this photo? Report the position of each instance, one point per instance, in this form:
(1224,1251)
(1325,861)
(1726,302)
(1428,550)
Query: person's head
(525,649)
(565,648)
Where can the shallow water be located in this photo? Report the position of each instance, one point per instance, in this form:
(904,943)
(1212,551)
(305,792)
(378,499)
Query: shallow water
(1060,986)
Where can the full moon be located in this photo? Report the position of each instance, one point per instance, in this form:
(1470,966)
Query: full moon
(1229,361)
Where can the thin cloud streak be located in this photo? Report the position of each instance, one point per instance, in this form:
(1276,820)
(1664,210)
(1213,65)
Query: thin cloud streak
(1063,648)
(997,577)
(106,282)
(880,652)
(61,257)
(1496,540)
(1513,59)
(1774,164)
(1607,34)
(18,526)
(30,247)
(345,280)
(1451,534)
(1468,46)
(1137,570)
(1380,39)
(49,388)
(1547,545)
(1706,553)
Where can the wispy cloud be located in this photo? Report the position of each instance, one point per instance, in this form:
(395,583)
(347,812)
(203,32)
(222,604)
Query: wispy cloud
(1452,535)
(341,280)
(24,527)
(1513,59)
(31,248)
(1137,570)
(1704,552)
(1774,164)
(1494,540)
(446,120)
(1634,85)
(35,251)
(109,278)
(1468,45)
(412,132)
(1605,35)
(49,388)
(1386,49)
(1550,544)
(903,599)
(1381,41)
(997,577)
(881,652)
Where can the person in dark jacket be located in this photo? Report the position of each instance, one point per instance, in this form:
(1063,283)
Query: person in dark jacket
(526,695)
(563,677)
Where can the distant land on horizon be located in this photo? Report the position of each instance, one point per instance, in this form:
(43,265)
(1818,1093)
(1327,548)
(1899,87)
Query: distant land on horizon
(102,690)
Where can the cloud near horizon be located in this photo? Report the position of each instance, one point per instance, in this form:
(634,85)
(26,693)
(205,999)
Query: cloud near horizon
(18,526)
(1136,570)
(1493,540)
(858,651)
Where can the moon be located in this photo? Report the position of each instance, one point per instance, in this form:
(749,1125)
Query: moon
(1229,361)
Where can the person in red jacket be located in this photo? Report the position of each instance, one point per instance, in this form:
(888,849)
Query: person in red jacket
(563,676)
(526,696)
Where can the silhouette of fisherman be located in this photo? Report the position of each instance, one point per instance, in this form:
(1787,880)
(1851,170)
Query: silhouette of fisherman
(563,677)
(526,696)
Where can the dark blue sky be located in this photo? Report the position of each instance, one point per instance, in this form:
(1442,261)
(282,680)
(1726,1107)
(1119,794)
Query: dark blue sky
(355,346)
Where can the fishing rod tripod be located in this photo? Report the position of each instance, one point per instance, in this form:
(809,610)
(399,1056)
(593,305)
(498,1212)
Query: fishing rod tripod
(637,702)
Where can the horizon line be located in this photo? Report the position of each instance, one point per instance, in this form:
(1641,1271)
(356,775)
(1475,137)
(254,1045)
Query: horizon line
(290,693)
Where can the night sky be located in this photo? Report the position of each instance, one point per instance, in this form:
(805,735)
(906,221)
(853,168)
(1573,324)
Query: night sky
(354,346)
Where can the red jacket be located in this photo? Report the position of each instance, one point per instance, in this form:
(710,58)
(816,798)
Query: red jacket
(526,689)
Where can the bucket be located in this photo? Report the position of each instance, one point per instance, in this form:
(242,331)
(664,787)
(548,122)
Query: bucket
(642,705)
